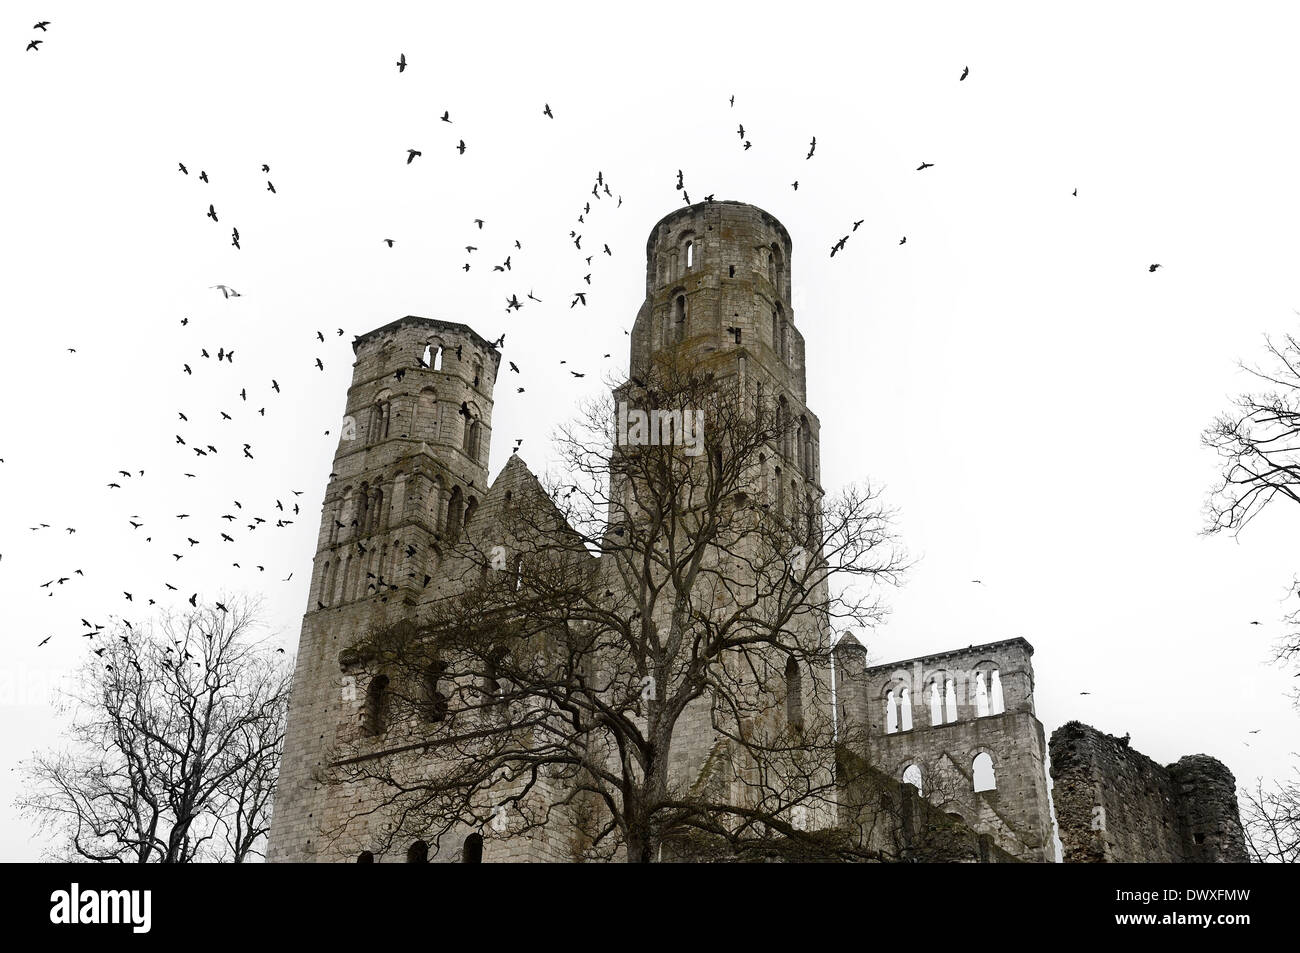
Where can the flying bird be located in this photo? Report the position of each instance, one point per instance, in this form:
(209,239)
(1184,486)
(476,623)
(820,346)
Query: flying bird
(446,116)
(411,154)
(547,112)
(212,213)
(460,147)
(925,165)
(812,147)
(965,71)
(1152,268)
(389,243)
(35,45)
(401,64)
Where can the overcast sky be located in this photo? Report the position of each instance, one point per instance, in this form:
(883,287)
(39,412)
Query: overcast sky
(1029,394)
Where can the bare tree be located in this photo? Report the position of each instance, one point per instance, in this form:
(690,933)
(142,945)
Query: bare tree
(1258,442)
(648,597)
(1271,817)
(176,729)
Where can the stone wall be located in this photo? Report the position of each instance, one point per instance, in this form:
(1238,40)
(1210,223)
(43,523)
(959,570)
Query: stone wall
(1116,805)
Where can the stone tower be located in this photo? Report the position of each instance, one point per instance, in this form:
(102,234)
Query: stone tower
(410,468)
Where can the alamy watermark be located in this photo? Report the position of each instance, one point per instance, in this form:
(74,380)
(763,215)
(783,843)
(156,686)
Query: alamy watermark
(661,428)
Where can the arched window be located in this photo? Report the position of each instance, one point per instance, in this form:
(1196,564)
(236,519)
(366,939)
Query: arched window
(365,857)
(904,710)
(324,595)
(455,514)
(982,772)
(981,696)
(936,705)
(417,853)
(435,701)
(780,491)
(782,425)
(690,254)
(771,268)
(793,694)
(478,371)
(891,713)
(679,318)
(997,704)
(363,509)
(426,359)
(950,701)
(762,478)
(776,332)
(472,852)
(433,355)
(912,776)
(470,509)
(519,572)
(375,711)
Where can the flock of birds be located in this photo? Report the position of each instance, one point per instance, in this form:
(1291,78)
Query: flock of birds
(248,521)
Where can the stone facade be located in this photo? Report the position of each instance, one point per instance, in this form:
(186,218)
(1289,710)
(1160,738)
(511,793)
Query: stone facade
(1116,805)
(926,722)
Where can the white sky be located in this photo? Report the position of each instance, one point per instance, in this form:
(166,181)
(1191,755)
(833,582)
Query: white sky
(1029,394)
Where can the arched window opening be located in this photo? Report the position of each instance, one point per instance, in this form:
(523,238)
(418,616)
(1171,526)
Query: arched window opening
(417,853)
(997,703)
(776,332)
(363,509)
(375,711)
(762,478)
(780,491)
(455,514)
(478,371)
(690,255)
(365,857)
(426,359)
(904,710)
(771,268)
(731,271)
(437,357)
(472,852)
(810,539)
(785,341)
(324,595)
(950,701)
(936,705)
(981,696)
(891,713)
(435,700)
(982,770)
(470,509)
(783,425)
(519,573)
(793,694)
(679,318)
(912,776)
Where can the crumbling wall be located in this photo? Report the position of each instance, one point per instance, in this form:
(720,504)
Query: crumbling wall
(1116,805)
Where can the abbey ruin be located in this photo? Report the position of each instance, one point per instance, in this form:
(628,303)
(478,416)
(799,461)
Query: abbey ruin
(407,743)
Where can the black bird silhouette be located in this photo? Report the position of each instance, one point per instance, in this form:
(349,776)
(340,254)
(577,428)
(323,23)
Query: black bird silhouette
(389,243)
(266,168)
(41,26)
(965,71)
(748,145)
(796,185)
(446,116)
(234,237)
(411,154)
(903,240)
(1153,267)
(531,298)
(275,385)
(857,223)
(479,223)
(608,252)
(547,112)
(679,179)
(187,369)
(43,641)
(812,147)
(401,64)
(579,296)
(512,303)
(513,367)
(269,187)
(741,131)
(34,45)
(319,364)
(212,214)
(1075,193)
(183,169)
(925,165)
(203,176)
(460,147)
(576,374)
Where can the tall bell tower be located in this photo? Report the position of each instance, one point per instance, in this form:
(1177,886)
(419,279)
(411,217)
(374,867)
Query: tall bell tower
(410,468)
